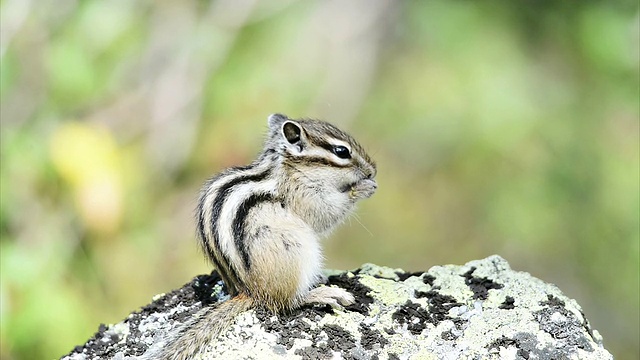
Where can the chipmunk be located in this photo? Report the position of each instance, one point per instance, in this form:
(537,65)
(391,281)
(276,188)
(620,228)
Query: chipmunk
(260,225)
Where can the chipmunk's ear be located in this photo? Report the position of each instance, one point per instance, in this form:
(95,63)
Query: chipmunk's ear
(275,121)
(292,132)
(283,128)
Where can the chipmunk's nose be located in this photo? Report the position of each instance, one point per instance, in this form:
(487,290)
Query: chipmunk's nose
(371,174)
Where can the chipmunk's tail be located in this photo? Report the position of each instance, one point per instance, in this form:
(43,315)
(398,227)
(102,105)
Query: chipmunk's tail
(192,336)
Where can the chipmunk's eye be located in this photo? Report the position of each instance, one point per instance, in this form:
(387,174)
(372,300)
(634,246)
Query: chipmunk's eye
(341,152)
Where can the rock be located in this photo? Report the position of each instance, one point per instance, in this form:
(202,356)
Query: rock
(482,310)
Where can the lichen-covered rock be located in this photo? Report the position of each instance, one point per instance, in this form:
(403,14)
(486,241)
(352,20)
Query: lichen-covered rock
(482,310)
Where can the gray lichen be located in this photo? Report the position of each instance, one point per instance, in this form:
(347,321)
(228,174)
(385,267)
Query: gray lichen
(482,310)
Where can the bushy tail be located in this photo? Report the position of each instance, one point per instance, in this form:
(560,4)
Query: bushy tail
(203,329)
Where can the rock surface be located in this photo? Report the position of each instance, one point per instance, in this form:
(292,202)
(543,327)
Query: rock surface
(482,310)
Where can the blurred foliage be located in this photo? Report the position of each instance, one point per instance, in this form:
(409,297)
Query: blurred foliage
(498,127)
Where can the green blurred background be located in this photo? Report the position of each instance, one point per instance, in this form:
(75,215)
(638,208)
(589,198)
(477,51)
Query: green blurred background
(507,128)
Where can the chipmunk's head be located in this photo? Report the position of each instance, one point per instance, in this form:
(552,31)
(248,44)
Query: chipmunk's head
(322,157)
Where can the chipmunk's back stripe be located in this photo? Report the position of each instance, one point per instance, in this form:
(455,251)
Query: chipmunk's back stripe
(222,194)
(220,263)
(239,225)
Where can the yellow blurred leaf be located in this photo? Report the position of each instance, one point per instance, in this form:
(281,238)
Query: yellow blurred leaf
(87,158)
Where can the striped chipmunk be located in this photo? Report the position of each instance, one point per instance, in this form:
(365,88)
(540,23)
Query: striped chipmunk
(260,226)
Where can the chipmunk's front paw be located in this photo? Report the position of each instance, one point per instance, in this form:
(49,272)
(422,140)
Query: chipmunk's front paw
(363,189)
